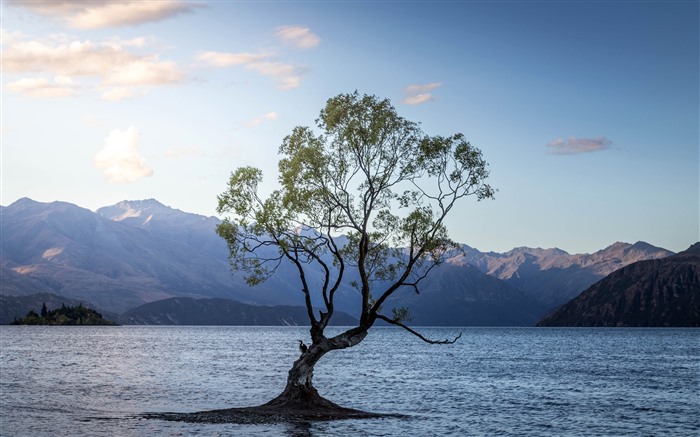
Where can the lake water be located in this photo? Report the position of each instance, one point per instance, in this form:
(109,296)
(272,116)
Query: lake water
(96,381)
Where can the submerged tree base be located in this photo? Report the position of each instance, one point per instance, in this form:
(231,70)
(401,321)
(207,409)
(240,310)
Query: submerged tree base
(267,414)
(282,409)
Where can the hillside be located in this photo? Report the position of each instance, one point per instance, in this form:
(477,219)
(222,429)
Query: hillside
(188,311)
(663,292)
(464,296)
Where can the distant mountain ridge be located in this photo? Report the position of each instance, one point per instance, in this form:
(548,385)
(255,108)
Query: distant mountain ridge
(553,276)
(660,292)
(166,222)
(74,252)
(135,252)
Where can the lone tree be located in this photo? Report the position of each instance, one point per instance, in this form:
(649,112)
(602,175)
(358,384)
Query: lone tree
(372,176)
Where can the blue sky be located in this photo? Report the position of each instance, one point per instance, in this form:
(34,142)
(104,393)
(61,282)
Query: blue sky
(587,111)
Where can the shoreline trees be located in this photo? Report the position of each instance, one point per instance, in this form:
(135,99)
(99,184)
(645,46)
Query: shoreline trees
(79,315)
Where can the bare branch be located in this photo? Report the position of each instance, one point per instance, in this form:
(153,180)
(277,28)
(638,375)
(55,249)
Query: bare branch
(418,334)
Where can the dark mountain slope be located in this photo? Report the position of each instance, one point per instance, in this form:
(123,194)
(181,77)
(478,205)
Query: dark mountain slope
(188,311)
(663,292)
(464,296)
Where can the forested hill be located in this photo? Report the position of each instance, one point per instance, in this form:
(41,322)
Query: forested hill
(79,315)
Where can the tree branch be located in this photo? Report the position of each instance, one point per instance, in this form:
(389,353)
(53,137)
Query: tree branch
(417,334)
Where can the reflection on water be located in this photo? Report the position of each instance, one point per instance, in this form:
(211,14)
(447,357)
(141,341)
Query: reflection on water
(99,380)
(302,429)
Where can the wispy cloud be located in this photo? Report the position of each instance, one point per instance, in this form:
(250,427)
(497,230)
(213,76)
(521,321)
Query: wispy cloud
(418,99)
(61,86)
(286,75)
(120,160)
(114,63)
(577,146)
(417,94)
(298,36)
(267,117)
(83,14)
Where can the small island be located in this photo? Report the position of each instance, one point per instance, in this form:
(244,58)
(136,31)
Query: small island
(79,315)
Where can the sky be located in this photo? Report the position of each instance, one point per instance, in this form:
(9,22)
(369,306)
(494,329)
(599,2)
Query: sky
(586,111)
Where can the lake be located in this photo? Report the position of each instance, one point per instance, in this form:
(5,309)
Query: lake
(96,381)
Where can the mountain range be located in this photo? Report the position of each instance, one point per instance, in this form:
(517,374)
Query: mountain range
(136,252)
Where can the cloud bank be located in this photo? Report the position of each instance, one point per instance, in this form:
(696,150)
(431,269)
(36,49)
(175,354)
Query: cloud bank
(577,146)
(418,94)
(120,160)
(107,13)
(61,86)
(120,70)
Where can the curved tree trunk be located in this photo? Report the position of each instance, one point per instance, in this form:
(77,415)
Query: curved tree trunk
(299,402)
(300,392)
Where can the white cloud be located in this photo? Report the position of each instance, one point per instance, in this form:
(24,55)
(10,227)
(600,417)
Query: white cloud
(286,75)
(416,89)
(120,160)
(111,62)
(118,43)
(145,71)
(417,94)
(8,37)
(218,59)
(418,99)
(107,13)
(267,117)
(577,146)
(301,37)
(61,86)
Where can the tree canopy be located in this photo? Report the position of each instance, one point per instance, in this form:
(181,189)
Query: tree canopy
(370,175)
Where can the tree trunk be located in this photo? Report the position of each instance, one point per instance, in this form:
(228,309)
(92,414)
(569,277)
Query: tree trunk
(300,392)
(299,402)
